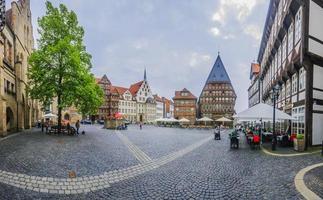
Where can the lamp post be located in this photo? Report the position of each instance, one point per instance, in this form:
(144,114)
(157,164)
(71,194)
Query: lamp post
(275,94)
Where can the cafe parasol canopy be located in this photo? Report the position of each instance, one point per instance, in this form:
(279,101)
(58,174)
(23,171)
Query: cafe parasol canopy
(223,119)
(262,112)
(184,120)
(50,115)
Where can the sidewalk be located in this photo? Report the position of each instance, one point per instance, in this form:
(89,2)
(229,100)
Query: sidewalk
(289,151)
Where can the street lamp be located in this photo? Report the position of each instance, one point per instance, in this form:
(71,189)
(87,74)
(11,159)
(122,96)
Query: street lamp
(275,94)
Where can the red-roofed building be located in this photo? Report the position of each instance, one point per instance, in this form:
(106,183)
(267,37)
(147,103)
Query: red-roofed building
(185,105)
(254,88)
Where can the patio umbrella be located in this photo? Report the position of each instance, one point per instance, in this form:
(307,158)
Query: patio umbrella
(261,112)
(50,115)
(223,119)
(205,119)
(184,120)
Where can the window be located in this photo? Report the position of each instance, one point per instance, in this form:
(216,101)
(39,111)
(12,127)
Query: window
(298,25)
(294,83)
(290,38)
(298,114)
(284,49)
(301,79)
(288,88)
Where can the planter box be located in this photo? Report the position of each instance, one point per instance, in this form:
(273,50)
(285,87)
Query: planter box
(299,144)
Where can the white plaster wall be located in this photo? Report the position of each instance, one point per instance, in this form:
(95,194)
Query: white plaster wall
(315,25)
(317,129)
(301,96)
(317,77)
(317,94)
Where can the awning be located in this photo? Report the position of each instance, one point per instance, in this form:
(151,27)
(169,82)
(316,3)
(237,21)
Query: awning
(261,112)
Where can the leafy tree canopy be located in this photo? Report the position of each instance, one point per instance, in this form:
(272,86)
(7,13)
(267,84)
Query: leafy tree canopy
(60,67)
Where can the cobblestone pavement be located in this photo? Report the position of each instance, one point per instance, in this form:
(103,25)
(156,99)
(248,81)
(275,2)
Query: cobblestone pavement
(314,181)
(154,163)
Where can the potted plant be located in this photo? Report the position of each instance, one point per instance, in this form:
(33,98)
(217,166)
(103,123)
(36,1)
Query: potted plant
(299,142)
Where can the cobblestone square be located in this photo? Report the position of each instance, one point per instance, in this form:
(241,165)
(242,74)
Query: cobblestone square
(153,163)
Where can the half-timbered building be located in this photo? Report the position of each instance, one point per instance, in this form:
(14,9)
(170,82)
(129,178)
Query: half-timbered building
(218,97)
(291,56)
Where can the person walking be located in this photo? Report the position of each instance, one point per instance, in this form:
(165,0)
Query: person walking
(68,126)
(77,125)
(140,125)
(42,125)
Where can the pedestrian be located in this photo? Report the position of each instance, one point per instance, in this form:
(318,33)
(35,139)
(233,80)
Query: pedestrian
(68,126)
(42,125)
(77,125)
(46,125)
(140,125)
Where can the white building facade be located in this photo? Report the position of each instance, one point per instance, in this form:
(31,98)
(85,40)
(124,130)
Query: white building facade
(291,56)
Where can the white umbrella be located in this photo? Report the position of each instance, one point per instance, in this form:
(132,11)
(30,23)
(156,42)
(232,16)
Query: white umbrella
(223,119)
(184,120)
(172,120)
(262,111)
(205,119)
(50,115)
(159,120)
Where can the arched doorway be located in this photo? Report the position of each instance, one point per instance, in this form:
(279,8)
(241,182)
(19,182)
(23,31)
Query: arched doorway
(10,119)
(140,118)
(67,116)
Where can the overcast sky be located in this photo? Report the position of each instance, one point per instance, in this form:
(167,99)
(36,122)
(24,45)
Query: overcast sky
(176,40)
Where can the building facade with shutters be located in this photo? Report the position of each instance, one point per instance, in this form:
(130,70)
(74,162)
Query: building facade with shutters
(185,105)
(17,110)
(291,57)
(218,97)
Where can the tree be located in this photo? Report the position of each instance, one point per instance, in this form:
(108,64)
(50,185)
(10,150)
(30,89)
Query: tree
(60,67)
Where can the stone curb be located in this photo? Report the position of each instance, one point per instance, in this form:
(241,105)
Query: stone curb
(287,155)
(300,184)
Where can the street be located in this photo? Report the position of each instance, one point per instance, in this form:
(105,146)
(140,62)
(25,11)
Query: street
(153,163)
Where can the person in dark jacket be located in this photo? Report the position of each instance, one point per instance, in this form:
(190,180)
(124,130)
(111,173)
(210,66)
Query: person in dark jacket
(77,125)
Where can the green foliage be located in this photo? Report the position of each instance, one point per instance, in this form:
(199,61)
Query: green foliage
(60,68)
(300,136)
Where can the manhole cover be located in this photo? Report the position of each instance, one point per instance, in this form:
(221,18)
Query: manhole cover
(72,174)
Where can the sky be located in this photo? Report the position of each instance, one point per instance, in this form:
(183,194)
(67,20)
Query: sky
(177,41)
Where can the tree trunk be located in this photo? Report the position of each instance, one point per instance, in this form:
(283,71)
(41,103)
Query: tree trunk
(59,114)
(59,102)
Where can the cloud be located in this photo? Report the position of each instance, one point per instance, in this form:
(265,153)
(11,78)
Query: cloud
(254,31)
(241,9)
(140,44)
(198,59)
(215,31)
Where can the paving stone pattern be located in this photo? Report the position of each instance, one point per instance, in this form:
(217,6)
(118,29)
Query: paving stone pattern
(196,167)
(314,181)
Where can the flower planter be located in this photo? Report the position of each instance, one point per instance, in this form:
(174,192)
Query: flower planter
(299,144)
